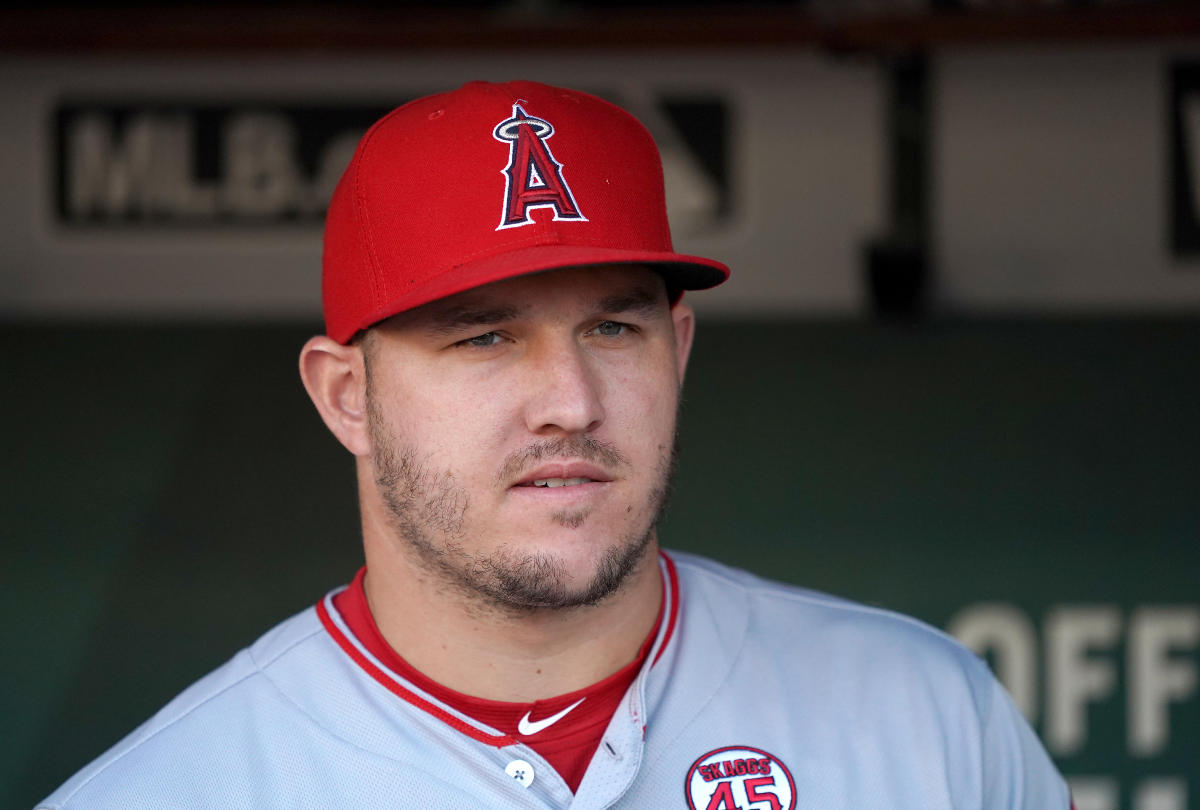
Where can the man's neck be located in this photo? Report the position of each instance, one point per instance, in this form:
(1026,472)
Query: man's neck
(478,650)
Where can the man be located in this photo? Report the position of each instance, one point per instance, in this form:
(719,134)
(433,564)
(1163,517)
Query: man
(505,345)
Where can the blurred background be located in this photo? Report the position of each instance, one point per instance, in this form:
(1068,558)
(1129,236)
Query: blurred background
(956,371)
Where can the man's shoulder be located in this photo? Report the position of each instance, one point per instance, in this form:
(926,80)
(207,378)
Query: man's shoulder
(891,705)
(798,621)
(204,717)
(833,656)
(714,577)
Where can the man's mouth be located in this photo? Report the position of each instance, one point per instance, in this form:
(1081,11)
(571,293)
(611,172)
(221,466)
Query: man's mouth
(558,482)
(556,474)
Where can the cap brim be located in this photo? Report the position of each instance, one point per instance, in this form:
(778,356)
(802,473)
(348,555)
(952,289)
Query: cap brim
(684,271)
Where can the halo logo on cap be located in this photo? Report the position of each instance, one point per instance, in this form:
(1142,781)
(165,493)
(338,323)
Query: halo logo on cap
(532,178)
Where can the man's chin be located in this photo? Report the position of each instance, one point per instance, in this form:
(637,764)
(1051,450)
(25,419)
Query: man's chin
(559,579)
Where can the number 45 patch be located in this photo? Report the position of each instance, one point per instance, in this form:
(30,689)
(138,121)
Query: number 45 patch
(738,777)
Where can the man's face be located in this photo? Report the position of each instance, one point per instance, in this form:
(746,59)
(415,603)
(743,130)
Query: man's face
(523,432)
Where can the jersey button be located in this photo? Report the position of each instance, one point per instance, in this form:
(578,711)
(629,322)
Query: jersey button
(521,771)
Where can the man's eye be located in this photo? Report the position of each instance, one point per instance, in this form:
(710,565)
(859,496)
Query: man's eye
(611,329)
(481,341)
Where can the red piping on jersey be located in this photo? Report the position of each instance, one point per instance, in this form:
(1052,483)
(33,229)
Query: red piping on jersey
(398,690)
(673,581)
(671,588)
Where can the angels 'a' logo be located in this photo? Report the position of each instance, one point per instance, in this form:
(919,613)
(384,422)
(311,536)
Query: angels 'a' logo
(533,178)
(739,778)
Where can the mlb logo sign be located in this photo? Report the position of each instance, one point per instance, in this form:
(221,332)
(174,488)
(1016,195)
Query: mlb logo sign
(739,778)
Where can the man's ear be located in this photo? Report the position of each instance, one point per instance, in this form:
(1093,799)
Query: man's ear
(335,378)
(684,321)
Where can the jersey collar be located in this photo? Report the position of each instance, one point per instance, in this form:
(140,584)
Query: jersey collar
(369,657)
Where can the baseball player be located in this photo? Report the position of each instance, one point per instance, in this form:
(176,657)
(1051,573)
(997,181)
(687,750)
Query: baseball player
(504,349)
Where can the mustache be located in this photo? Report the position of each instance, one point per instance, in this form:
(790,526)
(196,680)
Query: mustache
(586,448)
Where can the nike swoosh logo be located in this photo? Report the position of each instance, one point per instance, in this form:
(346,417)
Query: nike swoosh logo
(528,727)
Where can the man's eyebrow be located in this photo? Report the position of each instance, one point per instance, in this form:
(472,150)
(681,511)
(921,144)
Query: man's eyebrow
(452,319)
(640,300)
(448,320)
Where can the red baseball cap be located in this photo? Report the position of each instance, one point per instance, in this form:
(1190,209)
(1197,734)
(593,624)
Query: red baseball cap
(490,181)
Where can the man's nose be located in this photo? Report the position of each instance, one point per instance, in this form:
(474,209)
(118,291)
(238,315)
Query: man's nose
(565,391)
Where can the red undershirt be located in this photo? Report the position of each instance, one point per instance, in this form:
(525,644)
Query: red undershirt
(567,744)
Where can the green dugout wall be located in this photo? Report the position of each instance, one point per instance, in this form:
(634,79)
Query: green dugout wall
(168,493)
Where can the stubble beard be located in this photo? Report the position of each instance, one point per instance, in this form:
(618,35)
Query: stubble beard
(428,510)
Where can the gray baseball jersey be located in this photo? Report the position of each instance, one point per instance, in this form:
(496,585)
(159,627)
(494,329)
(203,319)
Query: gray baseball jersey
(757,696)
